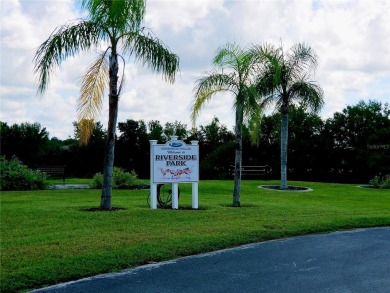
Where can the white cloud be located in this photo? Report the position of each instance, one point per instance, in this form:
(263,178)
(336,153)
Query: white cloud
(180,15)
(352,39)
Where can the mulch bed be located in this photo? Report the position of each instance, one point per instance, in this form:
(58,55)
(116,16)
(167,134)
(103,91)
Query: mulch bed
(289,188)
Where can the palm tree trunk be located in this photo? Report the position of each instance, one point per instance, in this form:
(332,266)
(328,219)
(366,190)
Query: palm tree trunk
(238,156)
(105,201)
(283,151)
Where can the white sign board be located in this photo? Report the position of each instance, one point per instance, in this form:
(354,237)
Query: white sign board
(174,162)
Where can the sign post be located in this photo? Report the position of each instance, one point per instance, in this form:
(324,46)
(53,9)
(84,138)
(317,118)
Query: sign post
(195,184)
(153,186)
(174,162)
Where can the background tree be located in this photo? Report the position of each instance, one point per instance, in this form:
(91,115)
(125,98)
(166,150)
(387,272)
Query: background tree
(360,141)
(284,80)
(83,160)
(216,133)
(133,147)
(29,142)
(306,148)
(236,78)
(217,150)
(156,131)
(118,24)
(175,128)
(269,143)
(352,146)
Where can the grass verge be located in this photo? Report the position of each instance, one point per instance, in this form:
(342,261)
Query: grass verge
(49,237)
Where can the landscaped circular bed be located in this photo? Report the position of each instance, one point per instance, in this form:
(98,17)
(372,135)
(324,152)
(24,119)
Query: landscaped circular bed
(289,188)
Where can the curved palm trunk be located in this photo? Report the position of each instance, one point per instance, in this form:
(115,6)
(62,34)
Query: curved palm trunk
(238,156)
(105,201)
(283,151)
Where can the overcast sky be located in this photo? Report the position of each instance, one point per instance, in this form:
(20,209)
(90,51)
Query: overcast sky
(352,39)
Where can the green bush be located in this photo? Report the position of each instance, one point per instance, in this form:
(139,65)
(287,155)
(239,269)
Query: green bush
(382,182)
(386,183)
(375,182)
(16,176)
(97,181)
(120,179)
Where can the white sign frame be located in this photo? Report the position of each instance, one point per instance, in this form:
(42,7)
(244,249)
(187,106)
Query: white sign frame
(174,162)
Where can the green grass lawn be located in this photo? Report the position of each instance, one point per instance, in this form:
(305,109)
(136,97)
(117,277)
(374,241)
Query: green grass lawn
(47,237)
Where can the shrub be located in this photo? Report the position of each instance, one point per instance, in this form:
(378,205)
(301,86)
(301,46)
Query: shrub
(97,181)
(382,182)
(120,179)
(386,182)
(375,182)
(16,176)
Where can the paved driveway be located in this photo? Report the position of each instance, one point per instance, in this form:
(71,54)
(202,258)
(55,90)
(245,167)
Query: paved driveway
(352,261)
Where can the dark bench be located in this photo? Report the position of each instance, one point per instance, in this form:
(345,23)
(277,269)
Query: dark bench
(53,171)
(253,170)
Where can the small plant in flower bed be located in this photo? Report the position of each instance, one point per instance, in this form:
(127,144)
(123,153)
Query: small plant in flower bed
(120,180)
(382,182)
(16,176)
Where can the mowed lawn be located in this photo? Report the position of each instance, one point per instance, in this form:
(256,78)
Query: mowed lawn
(48,237)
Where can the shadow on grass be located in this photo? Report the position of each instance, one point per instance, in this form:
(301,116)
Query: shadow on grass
(113,209)
(182,208)
(241,206)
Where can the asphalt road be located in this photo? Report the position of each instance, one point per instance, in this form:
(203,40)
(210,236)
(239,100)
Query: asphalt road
(352,261)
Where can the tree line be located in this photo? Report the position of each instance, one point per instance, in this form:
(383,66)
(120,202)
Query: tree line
(351,146)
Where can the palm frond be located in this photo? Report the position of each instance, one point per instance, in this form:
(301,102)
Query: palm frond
(309,94)
(65,41)
(209,85)
(93,84)
(254,125)
(271,66)
(251,102)
(152,52)
(266,83)
(283,77)
(268,87)
(84,130)
(301,58)
(240,79)
(228,56)
(233,57)
(125,15)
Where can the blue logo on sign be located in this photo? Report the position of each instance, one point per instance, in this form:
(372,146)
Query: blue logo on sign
(175,144)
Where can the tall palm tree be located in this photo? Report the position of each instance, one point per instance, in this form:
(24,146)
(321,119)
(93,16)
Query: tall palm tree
(284,80)
(237,77)
(117,25)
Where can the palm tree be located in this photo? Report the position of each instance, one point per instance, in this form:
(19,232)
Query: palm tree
(284,80)
(237,77)
(116,24)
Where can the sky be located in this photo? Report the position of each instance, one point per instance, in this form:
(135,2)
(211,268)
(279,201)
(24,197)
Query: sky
(351,38)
